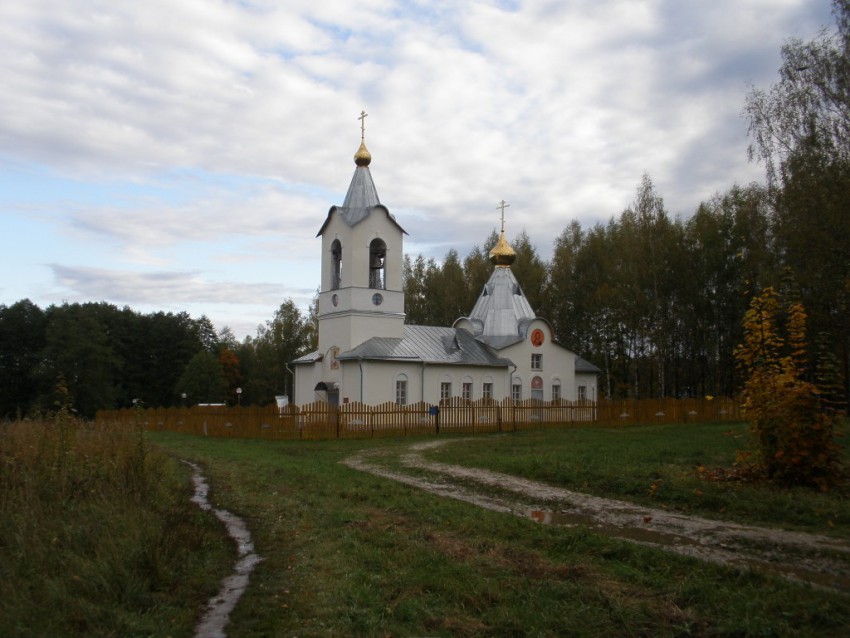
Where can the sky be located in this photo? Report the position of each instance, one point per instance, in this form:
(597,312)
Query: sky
(181,155)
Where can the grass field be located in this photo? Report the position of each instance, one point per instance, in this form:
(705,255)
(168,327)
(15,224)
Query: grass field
(98,537)
(681,468)
(349,554)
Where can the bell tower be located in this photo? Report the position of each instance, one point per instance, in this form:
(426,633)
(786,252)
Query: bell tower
(362,254)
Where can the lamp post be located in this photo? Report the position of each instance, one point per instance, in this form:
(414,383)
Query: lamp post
(239,396)
(183,398)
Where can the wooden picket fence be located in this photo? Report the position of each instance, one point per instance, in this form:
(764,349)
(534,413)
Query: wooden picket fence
(356,420)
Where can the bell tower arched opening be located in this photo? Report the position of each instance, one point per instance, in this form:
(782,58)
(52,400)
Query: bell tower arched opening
(377,264)
(336,264)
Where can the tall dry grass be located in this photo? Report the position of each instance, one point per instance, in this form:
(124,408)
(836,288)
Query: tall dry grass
(97,534)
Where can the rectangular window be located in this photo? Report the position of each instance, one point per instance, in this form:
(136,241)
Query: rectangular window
(582,392)
(516,392)
(401,392)
(445,390)
(556,392)
(537,362)
(466,391)
(487,391)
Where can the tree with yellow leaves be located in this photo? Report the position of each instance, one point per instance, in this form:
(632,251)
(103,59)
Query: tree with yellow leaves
(793,433)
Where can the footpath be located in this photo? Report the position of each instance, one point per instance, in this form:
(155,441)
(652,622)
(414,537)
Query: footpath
(820,561)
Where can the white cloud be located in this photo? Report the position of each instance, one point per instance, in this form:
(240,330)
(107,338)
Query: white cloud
(162,287)
(235,123)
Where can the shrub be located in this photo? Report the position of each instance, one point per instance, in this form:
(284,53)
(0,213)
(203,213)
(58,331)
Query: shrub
(793,431)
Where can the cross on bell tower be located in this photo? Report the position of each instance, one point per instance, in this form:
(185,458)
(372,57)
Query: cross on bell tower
(362,118)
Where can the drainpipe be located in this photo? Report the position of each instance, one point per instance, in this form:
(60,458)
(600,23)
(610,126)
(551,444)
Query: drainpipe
(511,391)
(422,396)
(292,390)
(360,365)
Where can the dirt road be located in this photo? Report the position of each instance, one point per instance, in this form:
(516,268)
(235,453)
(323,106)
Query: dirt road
(819,560)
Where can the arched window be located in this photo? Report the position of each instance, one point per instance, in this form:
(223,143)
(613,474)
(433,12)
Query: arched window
(445,388)
(336,264)
(487,387)
(466,388)
(401,389)
(537,388)
(516,388)
(377,259)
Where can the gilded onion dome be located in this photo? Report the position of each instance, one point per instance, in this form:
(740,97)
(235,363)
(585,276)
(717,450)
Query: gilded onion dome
(362,157)
(502,253)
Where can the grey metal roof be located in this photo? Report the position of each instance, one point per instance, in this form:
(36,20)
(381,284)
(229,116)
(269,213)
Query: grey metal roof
(429,344)
(361,192)
(502,310)
(582,365)
(500,342)
(312,357)
(360,201)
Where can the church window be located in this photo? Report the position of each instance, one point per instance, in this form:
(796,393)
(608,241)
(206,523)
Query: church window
(516,392)
(401,391)
(556,391)
(582,393)
(537,388)
(445,390)
(336,264)
(487,390)
(536,361)
(466,391)
(377,262)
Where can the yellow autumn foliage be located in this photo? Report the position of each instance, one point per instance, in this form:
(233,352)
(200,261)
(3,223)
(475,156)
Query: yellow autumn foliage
(793,435)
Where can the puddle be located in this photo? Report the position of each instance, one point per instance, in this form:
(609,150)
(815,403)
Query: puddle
(217,615)
(820,561)
(817,569)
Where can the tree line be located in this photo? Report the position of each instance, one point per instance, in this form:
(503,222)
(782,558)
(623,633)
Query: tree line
(93,356)
(656,301)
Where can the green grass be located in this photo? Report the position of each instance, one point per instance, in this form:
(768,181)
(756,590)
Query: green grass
(659,465)
(349,554)
(98,537)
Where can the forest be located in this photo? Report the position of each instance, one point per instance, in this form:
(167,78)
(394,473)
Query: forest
(656,301)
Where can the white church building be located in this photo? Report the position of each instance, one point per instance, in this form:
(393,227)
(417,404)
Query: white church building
(367,354)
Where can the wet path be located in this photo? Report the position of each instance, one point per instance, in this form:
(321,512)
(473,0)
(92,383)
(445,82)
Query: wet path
(218,610)
(818,560)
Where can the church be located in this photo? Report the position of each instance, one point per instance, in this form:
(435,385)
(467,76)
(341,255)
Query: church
(366,353)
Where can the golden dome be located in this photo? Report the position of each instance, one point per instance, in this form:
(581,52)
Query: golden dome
(502,254)
(362,157)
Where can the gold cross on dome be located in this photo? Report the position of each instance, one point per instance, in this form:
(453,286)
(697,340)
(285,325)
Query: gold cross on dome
(502,205)
(362,118)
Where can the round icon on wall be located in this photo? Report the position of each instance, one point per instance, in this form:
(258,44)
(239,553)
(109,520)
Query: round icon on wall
(377,299)
(335,300)
(537,337)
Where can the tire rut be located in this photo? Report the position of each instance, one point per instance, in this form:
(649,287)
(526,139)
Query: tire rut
(820,561)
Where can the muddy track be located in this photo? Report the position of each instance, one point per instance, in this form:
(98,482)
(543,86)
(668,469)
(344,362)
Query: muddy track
(821,561)
(217,614)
